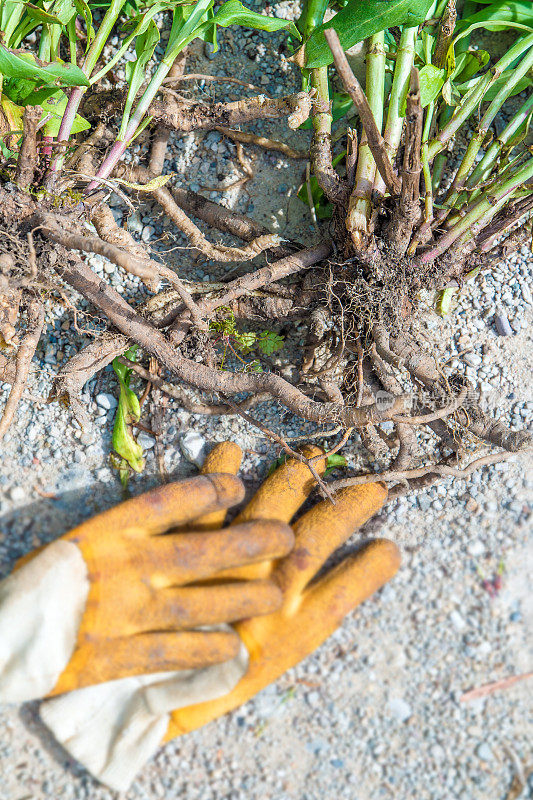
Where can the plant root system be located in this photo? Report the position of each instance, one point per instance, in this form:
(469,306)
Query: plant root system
(364,362)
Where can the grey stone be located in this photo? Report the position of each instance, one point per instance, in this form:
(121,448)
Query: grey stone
(145,440)
(106,401)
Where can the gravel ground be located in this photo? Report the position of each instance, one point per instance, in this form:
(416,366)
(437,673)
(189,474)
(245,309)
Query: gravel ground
(376,712)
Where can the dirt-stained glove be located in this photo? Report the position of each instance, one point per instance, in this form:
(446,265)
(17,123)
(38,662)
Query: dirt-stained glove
(120,598)
(312,609)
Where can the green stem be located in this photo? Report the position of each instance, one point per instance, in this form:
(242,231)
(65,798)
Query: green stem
(405,55)
(322,119)
(482,212)
(428,200)
(44,44)
(476,141)
(360,211)
(76,94)
(181,34)
(471,100)
(102,35)
(484,167)
(312,16)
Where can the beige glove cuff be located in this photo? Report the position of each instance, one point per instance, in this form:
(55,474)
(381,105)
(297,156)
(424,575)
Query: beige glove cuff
(41,606)
(112,728)
(115,727)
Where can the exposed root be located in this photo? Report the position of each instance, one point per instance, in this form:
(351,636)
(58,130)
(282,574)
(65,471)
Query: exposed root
(215,252)
(25,352)
(109,230)
(186,117)
(7,369)
(395,476)
(261,141)
(195,405)
(123,317)
(27,159)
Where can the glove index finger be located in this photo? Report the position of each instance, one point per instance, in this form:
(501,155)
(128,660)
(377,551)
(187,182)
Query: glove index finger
(224,457)
(282,493)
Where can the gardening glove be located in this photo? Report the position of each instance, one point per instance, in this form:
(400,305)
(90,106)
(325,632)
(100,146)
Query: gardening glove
(312,608)
(117,603)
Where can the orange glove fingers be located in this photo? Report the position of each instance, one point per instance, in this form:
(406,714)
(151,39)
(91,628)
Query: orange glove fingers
(322,530)
(193,606)
(283,492)
(279,642)
(326,603)
(145,653)
(224,457)
(165,507)
(188,557)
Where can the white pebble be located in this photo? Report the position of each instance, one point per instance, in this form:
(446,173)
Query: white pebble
(17,494)
(192,446)
(476,548)
(457,621)
(399,708)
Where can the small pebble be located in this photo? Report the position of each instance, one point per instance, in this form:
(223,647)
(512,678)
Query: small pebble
(18,494)
(399,708)
(192,446)
(457,621)
(484,752)
(476,548)
(106,400)
(502,324)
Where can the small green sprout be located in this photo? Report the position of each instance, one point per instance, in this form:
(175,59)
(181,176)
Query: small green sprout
(267,342)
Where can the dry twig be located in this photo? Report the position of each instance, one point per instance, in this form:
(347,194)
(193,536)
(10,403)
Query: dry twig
(495,686)
(353,87)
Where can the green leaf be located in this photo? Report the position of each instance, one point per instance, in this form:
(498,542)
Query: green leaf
(247,340)
(186,26)
(469,64)
(493,25)
(42,16)
(501,12)
(357,21)
(128,412)
(84,11)
(431,82)
(25,66)
(234,13)
(155,183)
(270,342)
(54,101)
(51,127)
(335,461)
